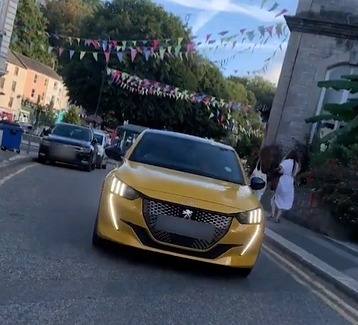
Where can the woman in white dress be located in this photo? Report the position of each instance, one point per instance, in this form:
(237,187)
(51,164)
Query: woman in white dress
(285,191)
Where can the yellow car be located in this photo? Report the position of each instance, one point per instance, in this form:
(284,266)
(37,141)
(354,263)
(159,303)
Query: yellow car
(183,196)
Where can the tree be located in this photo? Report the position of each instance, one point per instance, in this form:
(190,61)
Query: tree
(345,113)
(72,116)
(263,90)
(28,37)
(66,16)
(138,20)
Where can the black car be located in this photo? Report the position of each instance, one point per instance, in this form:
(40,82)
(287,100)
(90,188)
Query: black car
(70,144)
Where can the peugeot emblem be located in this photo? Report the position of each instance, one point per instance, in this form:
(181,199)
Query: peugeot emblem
(187,214)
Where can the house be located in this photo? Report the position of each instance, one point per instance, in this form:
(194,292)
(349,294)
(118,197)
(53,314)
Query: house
(43,85)
(31,81)
(12,86)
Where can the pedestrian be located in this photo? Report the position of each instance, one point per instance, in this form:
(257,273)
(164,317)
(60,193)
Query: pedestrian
(283,197)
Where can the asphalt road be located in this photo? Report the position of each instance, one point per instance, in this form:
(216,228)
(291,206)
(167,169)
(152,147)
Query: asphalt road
(50,274)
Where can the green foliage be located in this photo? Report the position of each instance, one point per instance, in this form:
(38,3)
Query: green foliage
(345,112)
(263,91)
(67,16)
(72,116)
(28,37)
(335,176)
(126,19)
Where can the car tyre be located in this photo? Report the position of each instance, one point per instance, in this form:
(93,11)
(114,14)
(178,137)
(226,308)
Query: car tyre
(104,166)
(244,272)
(41,159)
(98,166)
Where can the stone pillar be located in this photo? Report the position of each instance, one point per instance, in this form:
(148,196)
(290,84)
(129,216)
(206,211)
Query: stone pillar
(319,31)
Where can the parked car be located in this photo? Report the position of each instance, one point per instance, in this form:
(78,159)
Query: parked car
(70,144)
(183,196)
(102,143)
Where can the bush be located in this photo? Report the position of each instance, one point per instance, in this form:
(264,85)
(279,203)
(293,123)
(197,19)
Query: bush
(335,177)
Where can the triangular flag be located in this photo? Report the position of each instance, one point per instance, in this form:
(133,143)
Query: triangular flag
(133,54)
(106,55)
(95,55)
(71,53)
(120,56)
(82,54)
(282,12)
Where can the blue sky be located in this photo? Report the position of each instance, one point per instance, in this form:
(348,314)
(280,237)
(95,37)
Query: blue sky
(214,16)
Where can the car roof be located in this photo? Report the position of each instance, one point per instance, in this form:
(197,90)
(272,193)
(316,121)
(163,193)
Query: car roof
(70,124)
(132,128)
(96,131)
(188,137)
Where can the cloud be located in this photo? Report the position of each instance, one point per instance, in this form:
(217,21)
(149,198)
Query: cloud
(205,16)
(273,73)
(227,6)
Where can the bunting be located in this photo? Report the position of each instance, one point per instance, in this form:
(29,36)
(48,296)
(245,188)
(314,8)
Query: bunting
(132,53)
(220,109)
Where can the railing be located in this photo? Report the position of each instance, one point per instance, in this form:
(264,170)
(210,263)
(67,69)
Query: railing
(30,142)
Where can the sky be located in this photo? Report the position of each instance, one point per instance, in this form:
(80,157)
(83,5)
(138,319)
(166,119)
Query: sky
(244,57)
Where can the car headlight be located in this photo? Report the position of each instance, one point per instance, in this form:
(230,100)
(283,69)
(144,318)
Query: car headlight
(85,150)
(45,143)
(251,217)
(123,190)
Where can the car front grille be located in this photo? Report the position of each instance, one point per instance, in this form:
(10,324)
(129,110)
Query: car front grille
(153,208)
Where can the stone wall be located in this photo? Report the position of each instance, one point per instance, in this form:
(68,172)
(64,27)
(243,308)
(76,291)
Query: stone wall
(316,218)
(308,57)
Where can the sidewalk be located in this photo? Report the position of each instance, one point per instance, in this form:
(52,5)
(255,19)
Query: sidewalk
(335,261)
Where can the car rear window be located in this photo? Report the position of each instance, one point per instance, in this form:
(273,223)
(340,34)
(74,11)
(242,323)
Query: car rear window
(188,155)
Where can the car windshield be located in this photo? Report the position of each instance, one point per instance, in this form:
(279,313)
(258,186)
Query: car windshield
(188,155)
(99,138)
(72,131)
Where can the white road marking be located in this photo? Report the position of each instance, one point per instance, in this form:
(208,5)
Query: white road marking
(332,300)
(8,177)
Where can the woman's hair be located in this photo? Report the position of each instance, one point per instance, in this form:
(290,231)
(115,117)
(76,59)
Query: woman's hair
(293,154)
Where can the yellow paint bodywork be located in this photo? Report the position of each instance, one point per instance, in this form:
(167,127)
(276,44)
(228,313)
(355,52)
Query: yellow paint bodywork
(117,214)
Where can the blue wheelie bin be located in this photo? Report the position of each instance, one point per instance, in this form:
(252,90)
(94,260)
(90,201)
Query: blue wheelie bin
(10,136)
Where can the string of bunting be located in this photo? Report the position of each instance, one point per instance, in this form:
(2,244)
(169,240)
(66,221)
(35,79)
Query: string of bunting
(148,87)
(156,53)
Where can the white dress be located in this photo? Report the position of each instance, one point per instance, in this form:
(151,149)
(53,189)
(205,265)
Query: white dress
(285,191)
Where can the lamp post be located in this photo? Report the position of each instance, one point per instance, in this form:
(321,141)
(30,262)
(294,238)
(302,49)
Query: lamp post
(104,76)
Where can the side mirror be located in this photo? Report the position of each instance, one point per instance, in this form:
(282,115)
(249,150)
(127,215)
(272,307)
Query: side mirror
(46,132)
(257,183)
(114,152)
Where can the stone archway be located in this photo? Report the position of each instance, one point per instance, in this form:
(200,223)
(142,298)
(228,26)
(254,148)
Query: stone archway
(323,34)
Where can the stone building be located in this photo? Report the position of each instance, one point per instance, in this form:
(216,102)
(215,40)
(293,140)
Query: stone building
(322,46)
(7,17)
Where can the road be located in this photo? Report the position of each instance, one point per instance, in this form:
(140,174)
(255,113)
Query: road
(50,274)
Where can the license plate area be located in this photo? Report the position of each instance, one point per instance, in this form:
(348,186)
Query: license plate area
(184,227)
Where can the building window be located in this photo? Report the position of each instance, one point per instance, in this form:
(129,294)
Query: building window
(2,82)
(35,78)
(13,86)
(331,96)
(53,99)
(55,86)
(11,101)
(46,82)
(33,93)
(16,71)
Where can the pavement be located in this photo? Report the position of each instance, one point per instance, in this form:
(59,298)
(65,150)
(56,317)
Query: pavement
(334,260)
(50,274)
